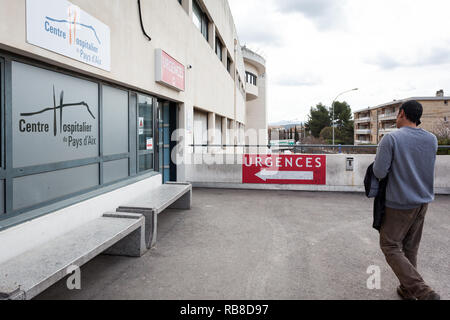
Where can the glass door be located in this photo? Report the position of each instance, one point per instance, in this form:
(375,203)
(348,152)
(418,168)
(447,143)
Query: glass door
(164,139)
(145,128)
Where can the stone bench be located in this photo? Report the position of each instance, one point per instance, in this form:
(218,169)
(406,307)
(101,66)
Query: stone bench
(171,195)
(30,273)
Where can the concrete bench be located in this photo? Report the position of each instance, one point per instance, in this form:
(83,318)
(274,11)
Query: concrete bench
(27,275)
(171,195)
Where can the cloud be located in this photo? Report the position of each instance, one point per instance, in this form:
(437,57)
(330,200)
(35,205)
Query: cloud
(325,13)
(389,49)
(256,35)
(258,28)
(438,56)
(297,81)
(435,56)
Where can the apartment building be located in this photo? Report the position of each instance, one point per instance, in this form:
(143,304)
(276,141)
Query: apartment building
(372,124)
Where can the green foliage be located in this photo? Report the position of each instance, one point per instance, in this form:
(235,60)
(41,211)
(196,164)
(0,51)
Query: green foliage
(342,135)
(342,113)
(320,123)
(318,118)
(443,142)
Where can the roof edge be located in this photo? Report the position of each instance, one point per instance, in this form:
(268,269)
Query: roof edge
(403,101)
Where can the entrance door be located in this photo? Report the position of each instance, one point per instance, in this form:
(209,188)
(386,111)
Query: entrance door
(166,126)
(145,134)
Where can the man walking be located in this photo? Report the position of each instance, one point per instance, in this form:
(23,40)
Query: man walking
(408,156)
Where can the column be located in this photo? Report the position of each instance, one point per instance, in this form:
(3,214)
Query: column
(224,131)
(211,130)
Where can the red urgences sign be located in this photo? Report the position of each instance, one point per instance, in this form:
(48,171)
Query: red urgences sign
(169,71)
(284,169)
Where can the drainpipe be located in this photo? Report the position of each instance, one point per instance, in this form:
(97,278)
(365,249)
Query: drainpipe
(142,22)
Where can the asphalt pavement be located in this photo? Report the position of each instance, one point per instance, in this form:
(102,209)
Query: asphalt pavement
(244,244)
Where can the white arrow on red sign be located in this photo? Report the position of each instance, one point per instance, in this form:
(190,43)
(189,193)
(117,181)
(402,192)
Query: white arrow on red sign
(285,175)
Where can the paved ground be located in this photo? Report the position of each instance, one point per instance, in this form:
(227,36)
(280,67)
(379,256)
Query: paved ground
(264,245)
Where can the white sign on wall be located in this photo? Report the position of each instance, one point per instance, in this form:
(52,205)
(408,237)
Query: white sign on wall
(61,27)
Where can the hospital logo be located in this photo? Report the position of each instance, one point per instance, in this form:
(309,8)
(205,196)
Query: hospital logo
(71,130)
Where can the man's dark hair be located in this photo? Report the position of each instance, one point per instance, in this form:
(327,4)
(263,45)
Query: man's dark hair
(413,111)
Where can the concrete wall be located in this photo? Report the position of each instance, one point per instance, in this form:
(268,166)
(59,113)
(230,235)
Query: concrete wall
(225,171)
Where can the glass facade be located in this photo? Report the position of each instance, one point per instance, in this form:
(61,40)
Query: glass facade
(64,135)
(54,117)
(115,128)
(145,133)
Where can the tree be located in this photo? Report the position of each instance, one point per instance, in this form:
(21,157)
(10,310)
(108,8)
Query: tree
(341,135)
(342,114)
(441,130)
(327,134)
(318,118)
(297,137)
(344,122)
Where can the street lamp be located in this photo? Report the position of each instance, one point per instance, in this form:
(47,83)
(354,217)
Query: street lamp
(332,105)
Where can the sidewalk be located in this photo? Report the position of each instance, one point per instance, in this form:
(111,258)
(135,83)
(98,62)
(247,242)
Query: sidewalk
(238,244)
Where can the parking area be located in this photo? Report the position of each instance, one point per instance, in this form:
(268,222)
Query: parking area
(245,244)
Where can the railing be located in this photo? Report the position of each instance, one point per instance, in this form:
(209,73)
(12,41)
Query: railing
(309,148)
(387,116)
(387,130)
(361,120)
(363,131)
(362,142)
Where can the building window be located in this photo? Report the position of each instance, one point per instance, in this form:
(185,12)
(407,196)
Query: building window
(72,135)
(200,19)
(67,131)
(219,48)
(229,64)
(251,78)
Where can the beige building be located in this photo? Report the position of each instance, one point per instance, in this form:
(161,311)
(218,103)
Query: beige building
(92,92)
(256,88)
(372,124)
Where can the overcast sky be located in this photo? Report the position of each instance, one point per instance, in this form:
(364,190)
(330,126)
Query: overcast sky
(315,49)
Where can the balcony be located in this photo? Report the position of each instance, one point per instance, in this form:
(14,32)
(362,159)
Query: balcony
(387,130)
(363,131)
(362,120)
(362,142)
(252,91)
(387,116)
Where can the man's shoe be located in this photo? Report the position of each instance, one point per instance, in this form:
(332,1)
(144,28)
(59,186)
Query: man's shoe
(431,296)
(404,294)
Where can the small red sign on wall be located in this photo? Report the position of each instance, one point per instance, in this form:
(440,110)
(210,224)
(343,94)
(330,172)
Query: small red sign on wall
(169,71)
(284,169)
